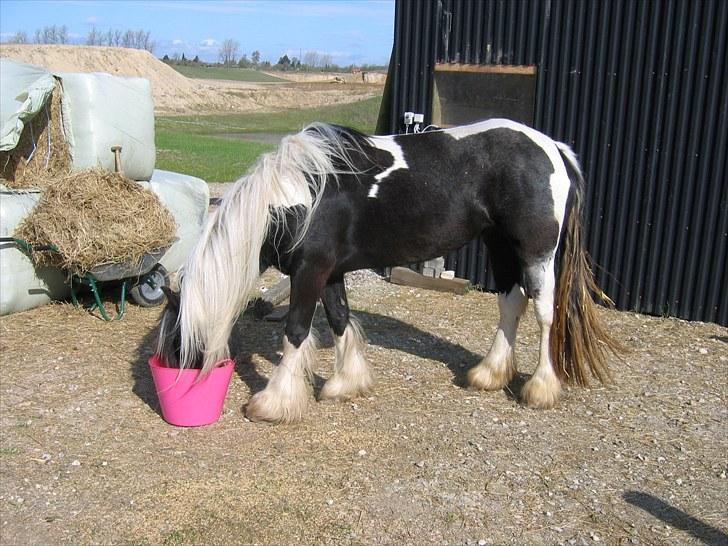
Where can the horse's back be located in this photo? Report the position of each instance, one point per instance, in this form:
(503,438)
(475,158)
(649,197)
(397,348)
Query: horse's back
(422,195)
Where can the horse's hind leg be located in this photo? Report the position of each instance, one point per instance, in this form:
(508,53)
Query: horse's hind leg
(499,366)
(286,396)
(352,376)
(544,387)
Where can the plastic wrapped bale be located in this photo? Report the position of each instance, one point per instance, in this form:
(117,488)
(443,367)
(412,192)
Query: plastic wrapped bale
(98,111)
(187,198)
(23,284)
(101,111)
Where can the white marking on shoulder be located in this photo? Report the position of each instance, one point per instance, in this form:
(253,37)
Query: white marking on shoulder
(387,144)
(559,180)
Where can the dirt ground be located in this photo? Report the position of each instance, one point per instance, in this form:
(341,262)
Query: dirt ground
(87,459)
(175,93)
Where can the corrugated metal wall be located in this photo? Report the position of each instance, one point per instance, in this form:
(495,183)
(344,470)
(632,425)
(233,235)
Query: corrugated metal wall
(640,90)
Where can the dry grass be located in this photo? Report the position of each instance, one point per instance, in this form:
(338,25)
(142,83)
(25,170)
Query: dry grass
(42,153)
(87,459)
(94,218)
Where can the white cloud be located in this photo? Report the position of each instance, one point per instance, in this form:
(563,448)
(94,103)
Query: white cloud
(177,42)
(208,42)
(91,20)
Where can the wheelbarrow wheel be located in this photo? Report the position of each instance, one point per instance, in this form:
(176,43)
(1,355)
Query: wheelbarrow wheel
(148,291)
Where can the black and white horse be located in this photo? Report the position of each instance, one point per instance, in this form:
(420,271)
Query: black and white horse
(332,200)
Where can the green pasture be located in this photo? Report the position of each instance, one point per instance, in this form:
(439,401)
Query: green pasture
(221,147)
(225,73)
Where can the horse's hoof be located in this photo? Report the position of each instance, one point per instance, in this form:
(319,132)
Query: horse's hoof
(538,393)
(267,408)
(341,388)
(484,377)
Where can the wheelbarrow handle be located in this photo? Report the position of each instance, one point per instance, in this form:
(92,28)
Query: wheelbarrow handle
(25,246)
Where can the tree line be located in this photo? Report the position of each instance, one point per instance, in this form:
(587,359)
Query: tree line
(229,55)
(58,34)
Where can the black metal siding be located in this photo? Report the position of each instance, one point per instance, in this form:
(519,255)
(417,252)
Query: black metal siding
(639,89)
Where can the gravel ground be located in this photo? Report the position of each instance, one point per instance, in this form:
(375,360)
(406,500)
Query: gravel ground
(85,457)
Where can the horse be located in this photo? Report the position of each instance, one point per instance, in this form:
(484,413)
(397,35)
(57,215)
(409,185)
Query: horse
(332,200)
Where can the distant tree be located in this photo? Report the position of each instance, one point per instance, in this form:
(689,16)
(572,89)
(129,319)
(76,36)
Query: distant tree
(113,38)
(137,39)
(53,34)
(94,37)
(311,59)
(19,37)
(255,57)
(229,51)
(165,59)
(326,61)
(244,62)
(295,63)
(127,39)
(284,62)
(196,60)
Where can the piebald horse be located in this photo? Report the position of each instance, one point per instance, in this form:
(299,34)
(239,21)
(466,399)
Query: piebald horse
(332,200)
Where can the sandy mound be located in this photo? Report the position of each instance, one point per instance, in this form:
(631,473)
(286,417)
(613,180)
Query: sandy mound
(175,93)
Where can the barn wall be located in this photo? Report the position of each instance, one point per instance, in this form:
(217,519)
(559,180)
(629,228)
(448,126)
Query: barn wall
(640,91)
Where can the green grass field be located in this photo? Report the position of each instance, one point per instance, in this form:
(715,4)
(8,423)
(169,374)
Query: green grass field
(223,73)
(207,146)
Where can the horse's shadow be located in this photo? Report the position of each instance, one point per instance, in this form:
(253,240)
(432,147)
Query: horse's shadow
(255,337)
(251,336)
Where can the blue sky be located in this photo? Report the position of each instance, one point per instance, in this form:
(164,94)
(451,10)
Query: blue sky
(351,31)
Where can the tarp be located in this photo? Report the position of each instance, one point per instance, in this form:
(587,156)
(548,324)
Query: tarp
(24,90)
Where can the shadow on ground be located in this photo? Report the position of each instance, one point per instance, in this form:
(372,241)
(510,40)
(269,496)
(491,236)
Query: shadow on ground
(251,336)
(676,518)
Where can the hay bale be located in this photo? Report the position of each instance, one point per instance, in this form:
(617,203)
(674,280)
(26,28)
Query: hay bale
(42,152)
(95,218)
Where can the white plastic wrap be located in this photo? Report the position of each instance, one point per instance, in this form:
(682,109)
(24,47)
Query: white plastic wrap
(24,89)
(187,198)
(101,111)
(22,284)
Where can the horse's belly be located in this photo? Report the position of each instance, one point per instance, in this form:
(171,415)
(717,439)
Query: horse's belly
(382,248)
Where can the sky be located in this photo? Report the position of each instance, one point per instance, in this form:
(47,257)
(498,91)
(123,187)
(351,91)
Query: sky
(351,31)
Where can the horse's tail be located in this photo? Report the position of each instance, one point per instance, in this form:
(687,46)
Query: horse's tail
(220,273)
(579,342)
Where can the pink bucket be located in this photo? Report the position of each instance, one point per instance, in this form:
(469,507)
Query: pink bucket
(185,402)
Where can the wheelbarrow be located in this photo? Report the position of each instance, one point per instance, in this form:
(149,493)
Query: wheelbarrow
(143,280)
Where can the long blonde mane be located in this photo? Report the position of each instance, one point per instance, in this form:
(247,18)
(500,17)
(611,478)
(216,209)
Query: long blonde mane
(220,273)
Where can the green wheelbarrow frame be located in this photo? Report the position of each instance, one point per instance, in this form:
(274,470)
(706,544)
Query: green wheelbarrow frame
(98,275)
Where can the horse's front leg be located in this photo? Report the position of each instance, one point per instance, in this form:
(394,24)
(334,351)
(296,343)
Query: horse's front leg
(285,398)
(352,376)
